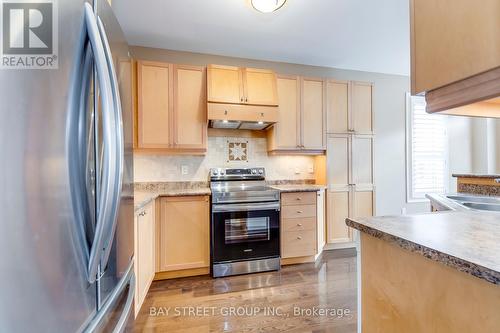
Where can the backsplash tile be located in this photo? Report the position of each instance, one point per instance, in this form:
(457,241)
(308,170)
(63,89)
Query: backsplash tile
(160,168)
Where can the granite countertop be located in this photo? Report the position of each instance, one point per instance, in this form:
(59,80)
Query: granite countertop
(466,241)
(299,187)
(475,175)
(142,198)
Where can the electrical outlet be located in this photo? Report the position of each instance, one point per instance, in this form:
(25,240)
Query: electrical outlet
(310,169)
(297,171)
(184,169)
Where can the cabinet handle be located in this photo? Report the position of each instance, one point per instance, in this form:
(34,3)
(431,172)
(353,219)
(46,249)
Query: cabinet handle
(241,99)
(299,238)
(299,224)
(298,198)
(143,213)
(299,212)
(246,99)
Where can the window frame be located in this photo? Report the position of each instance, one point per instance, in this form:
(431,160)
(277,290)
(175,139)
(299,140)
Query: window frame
(409,155)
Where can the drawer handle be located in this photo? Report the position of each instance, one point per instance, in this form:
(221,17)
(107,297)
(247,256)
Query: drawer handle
(299,238)
(298,198)
(143,213)
(299,224)
(299,212)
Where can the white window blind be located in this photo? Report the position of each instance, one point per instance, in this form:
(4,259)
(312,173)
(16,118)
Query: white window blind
(428,151)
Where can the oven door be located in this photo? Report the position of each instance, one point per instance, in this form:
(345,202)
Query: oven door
(245,231)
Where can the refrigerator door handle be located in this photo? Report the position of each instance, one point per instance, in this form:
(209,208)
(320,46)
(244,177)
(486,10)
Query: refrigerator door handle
(118,133)
(128,279)
(105,211)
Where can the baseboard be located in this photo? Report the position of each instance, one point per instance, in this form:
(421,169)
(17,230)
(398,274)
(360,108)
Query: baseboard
(297,260)
(182,273)
(335,246)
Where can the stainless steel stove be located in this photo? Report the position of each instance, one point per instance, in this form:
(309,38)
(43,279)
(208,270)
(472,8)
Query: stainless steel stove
(245,217)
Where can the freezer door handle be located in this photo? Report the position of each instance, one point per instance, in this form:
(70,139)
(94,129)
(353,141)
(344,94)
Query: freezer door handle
(106,208)
(128,279)
(117,132)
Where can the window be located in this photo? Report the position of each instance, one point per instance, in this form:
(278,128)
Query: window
(427,150)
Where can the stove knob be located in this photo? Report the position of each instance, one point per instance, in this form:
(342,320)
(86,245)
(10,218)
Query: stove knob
(222,172)
(215,172)
(261,171)
(254,172)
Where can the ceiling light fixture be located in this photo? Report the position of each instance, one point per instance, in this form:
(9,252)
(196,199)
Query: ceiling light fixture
(267,6)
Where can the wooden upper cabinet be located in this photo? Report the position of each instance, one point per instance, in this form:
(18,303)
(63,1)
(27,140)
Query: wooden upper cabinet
(235,85)
(224,84)
(284,135)
(338,106)
(362,112)
(172,108)
(313,114)
(260,87)
(302,118)
(349,107)
(452,40)
(154,101)
(190,107)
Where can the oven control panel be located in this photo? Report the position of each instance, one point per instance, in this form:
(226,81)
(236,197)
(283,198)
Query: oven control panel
(243,173)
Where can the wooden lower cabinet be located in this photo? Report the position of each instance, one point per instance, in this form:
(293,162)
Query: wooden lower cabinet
(337,211)
(183,234)
(298,224)
(351,202)
(144,249)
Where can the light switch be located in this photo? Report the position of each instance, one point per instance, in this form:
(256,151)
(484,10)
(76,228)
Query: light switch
(184,169)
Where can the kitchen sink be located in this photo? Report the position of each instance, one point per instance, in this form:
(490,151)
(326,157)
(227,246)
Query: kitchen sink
(474,199)
(482,206)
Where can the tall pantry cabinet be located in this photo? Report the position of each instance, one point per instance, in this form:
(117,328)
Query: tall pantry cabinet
(350,138)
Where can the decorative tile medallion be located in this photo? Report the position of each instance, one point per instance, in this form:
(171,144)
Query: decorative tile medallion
(237,151)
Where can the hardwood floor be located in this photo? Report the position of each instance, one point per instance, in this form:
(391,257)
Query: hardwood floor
(246,303)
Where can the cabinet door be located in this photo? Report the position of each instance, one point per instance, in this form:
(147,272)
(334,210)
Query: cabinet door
(144,252)
(184,233)
(363,203)
(337,212)
(154,94)
(286,130)
(224,84)
(362,161)
(321,237)
(362,115)
(452,40)
(338,107)
(260,87)
(190,107)
(313,114)
(338,161)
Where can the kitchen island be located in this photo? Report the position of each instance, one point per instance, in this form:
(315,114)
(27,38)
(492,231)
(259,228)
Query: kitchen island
(436,272)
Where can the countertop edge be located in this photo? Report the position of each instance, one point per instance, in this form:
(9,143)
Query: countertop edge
(475,175)
(459,264)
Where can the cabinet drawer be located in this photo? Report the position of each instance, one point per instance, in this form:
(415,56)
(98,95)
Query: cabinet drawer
(299,243)
(308,223)
(298,211)
(298,198)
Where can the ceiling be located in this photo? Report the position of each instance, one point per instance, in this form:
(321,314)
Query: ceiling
(363,35)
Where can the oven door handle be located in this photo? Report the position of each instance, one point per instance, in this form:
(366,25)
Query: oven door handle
(218,208)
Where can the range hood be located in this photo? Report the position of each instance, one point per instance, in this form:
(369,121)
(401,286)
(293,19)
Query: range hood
(476,96)
(236,116)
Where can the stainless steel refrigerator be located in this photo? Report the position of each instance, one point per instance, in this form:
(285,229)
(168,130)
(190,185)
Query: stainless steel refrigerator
(66,179)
